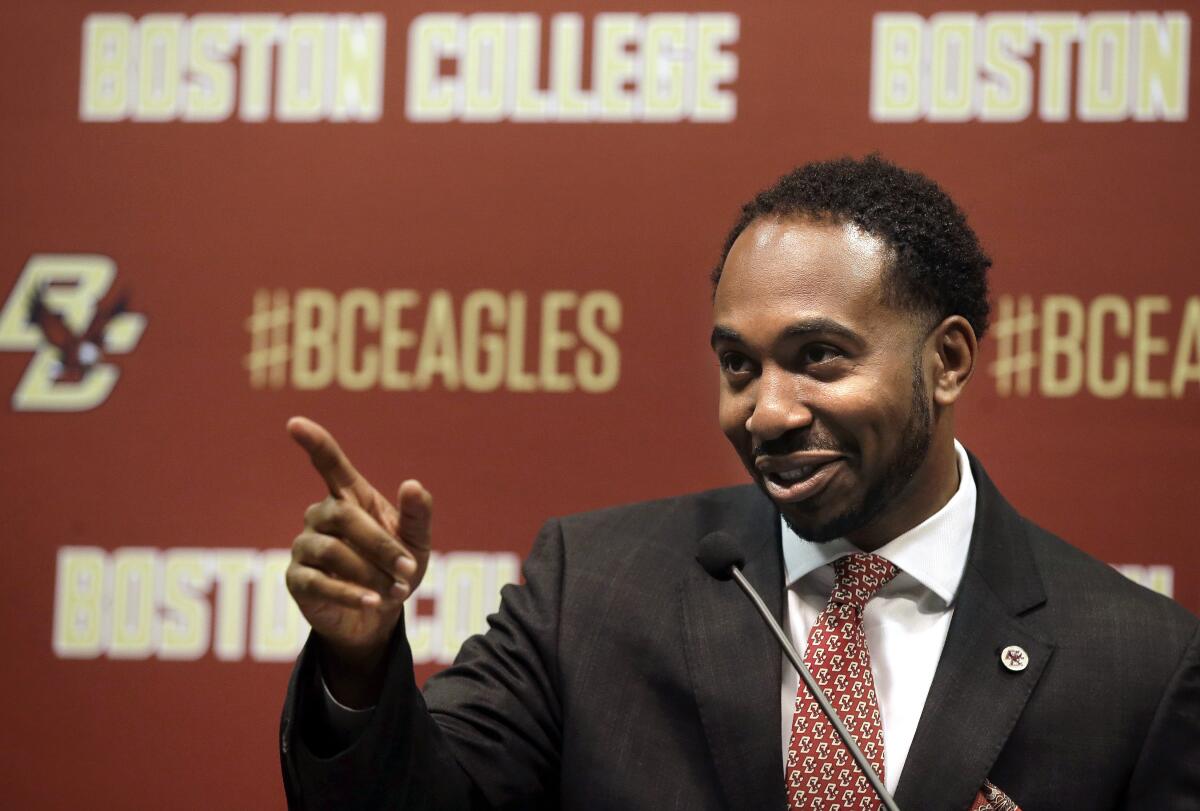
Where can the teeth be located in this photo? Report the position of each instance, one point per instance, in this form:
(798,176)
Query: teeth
(797,474)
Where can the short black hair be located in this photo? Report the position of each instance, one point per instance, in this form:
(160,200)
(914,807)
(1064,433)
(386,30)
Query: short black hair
(938,267)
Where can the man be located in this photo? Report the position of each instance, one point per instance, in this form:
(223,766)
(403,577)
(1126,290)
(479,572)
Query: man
(974,655)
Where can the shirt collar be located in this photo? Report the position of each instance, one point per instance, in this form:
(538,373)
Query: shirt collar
(934,552)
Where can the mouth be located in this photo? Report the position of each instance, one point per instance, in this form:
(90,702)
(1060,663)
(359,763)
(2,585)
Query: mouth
(798,477)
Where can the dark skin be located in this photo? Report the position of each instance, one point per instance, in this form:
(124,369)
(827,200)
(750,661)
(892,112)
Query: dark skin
(817,381)
(356,562)
(817,372)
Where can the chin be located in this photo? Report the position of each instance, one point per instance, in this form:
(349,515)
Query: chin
(810,524)
(811,531)
(824,525)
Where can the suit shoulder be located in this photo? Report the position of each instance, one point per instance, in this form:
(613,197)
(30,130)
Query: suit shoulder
(1078,577)
(682,512)
(666,532)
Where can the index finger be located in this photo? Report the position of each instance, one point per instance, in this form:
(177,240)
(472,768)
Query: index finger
(327,457)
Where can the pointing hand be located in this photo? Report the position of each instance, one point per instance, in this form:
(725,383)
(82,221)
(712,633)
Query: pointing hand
(356,562)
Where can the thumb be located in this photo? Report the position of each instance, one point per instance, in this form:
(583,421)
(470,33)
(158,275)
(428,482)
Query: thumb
(415,505)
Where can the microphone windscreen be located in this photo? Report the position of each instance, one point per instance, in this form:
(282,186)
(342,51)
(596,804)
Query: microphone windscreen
(718,552)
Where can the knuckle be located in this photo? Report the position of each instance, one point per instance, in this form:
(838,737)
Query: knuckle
(328,515)
(336,515)
(326,551)
(295,578)
(312,515)
(385,547)
(302,546)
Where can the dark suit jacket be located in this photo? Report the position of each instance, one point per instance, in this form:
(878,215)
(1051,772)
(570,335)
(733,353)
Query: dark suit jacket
(622,676)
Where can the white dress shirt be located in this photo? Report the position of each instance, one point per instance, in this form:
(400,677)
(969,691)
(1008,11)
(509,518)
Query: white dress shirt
(905,622)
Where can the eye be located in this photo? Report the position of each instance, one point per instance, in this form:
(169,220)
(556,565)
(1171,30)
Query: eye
(819,353)
(735,363)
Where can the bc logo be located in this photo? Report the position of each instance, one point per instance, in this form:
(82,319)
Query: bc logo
(58,310)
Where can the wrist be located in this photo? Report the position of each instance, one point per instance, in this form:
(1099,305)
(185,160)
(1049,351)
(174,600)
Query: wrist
(353,676)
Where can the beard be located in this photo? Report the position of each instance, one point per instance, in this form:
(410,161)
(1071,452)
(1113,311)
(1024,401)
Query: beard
(914,445)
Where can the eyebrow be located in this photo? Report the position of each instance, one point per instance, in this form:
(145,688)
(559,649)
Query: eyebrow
(800,329)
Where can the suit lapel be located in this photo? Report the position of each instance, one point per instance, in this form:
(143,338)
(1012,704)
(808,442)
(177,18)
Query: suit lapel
(734,662)
(974,701)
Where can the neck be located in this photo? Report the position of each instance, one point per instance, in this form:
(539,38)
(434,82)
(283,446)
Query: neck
(930,488)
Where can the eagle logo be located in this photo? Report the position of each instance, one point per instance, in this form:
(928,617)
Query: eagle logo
(77,354)
(63,310)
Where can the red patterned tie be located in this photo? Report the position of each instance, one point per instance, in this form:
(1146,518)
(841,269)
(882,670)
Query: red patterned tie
(821,774)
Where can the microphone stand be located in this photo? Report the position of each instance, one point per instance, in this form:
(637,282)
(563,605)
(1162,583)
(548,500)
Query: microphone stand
(816,692)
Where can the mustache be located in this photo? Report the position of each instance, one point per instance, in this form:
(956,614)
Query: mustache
(796,442)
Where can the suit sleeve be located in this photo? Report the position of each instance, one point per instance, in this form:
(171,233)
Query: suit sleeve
(400,760)
(484,735)
(1167,775)
(499,704)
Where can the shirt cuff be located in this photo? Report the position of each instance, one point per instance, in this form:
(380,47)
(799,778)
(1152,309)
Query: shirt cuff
(345,724)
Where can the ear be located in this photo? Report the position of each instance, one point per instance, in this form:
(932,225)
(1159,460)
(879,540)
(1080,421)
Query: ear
(956,347)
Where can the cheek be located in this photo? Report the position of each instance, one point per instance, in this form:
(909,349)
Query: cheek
(870,411)
(732,414)
(851,401)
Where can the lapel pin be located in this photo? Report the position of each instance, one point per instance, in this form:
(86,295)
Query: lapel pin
(1014,658)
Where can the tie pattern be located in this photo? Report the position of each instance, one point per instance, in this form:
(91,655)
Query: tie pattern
(821,774)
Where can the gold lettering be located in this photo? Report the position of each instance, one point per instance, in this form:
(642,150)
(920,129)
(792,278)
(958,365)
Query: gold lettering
(517,378)
(1146,345)
(438,352)
(598,362)
(365,374)
(1097,383)
(555,340)
(1067,345)
(478,346)
(1187,352)
(394,339)
(315,314)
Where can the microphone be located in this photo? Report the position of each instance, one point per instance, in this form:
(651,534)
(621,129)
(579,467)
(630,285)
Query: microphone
(723,557)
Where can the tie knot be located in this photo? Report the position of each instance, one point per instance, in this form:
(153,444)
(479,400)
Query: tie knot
(859,576)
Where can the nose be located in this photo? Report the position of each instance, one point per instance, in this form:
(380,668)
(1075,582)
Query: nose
(778,408)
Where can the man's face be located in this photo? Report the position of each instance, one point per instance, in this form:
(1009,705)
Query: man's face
(823,391)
